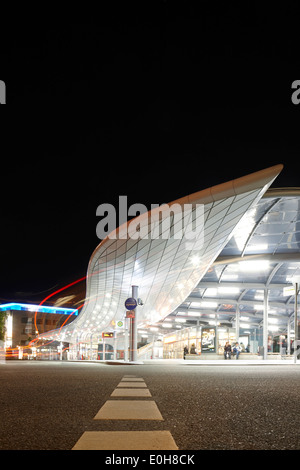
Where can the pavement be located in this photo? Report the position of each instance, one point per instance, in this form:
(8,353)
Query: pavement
(51,405)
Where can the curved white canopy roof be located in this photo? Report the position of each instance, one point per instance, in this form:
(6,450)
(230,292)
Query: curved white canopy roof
(165,265)
(263,255)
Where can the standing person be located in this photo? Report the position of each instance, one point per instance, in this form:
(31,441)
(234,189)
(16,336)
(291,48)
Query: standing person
(283,347)
(227,350)
(185,351)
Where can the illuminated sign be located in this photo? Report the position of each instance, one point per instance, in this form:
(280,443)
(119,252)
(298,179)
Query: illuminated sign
(130,303)
(107,335)
(38,308)
(208,340)
(130,314)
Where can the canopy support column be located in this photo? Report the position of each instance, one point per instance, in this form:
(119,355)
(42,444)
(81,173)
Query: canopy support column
(265,324)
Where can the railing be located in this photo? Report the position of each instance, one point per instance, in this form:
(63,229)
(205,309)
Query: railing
(145,352)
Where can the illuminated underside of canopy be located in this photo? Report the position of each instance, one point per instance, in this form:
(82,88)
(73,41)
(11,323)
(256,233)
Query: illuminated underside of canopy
(165,268)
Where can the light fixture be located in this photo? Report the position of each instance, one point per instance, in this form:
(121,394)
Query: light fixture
(273,328)
(258,307)
(195,260)
(209,304)
(229,290)
(211,291)
(258,247)
(195,304)
(254,265)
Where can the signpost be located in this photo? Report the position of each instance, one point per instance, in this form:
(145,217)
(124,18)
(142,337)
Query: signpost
(130,305)
(293,290)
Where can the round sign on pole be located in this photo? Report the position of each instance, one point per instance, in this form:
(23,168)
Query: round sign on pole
(130,303)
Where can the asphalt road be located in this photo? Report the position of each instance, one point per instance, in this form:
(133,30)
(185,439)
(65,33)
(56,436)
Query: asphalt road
(49,405)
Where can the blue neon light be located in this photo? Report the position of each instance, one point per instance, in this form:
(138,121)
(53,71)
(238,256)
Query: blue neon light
(38,308)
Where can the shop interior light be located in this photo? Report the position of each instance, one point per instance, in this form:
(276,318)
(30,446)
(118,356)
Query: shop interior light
(166,325)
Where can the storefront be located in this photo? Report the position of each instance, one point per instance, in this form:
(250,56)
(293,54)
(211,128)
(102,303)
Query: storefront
(201,340)
(174,343)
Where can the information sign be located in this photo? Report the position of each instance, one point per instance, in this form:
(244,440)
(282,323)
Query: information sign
(130,304)
(108,335)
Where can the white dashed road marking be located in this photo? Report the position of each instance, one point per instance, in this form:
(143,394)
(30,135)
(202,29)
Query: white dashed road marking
(129,409)
(131,392)
(129,386)
(126,440)
(132,379)
(132,384)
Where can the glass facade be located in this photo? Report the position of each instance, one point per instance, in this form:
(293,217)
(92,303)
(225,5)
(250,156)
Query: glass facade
(203,341)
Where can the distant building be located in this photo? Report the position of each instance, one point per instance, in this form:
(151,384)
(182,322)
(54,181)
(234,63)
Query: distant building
(25,321)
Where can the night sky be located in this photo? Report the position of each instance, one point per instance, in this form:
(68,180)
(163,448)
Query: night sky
(153,102)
